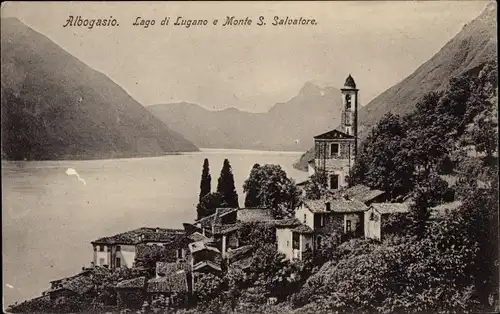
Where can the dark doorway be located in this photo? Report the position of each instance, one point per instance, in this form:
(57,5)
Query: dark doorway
(334,181)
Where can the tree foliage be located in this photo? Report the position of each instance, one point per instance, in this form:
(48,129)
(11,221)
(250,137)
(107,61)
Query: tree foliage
(316,186)
(226,187)
(382,162)
(209,204)
(257,234)
(206,180)
(252,188)
(400,151)
(273,189)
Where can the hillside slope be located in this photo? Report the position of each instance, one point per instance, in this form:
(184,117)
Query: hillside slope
(471,48)
(56,107)
(286,126)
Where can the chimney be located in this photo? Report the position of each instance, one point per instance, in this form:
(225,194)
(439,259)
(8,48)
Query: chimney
(328,206)
(157,229)
(92,264)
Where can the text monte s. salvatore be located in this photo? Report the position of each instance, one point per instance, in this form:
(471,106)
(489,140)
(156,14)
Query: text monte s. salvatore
(228,21)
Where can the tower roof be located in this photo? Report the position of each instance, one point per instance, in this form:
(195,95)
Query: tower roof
(349,82)
(333,135)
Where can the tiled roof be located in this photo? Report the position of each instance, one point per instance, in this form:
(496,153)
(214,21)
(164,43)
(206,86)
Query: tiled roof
(254,214)
(212,219)
(78,284)
(362,193)
(165,268)
(144,250)
(172,278)
(238,252)
(287,222)
(196,237)
(391,208)
(138,282)
(336,206)
(96,270)
(206,263)
(333,135)
(243,263)
(200,246)
(225,229)
(303,229)
(142,235)
(190,228)
(172,283)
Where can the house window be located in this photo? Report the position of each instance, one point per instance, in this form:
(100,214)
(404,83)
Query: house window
(305,218)
(348,101)
(180,253)
(318,221)
(101,248)
(118,262)
(334,182)
(372,216)
(287,243)
(296,241)
(118,248)
(348,226)
(334,150)
(101,262)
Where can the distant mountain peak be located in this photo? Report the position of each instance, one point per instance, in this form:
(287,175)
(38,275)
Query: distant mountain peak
(310,88)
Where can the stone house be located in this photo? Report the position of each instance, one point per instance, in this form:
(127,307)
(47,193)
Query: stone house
(377,218)
(121,249)
(293,238)
(204,257)
(172,280)
(328,216)
(131,293)
(364,194)
(80,284)
(317,219)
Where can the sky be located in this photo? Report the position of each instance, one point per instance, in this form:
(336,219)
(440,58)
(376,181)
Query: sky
(250,67)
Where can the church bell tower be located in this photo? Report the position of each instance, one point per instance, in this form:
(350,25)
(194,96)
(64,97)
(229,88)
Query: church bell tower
(349,118)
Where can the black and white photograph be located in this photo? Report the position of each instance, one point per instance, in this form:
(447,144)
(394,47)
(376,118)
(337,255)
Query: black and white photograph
(245,157)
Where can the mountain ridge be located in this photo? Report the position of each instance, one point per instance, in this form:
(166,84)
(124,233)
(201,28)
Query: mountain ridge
(54,106)
(280,128)
(473,46)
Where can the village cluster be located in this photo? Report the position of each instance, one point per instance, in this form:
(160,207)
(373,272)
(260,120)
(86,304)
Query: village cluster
(213,244)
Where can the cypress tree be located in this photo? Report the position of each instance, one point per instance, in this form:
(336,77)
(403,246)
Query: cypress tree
(225,185)
(206,180)
(252,187)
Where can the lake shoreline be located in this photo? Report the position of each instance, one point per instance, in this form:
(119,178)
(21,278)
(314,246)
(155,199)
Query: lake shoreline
(200,151)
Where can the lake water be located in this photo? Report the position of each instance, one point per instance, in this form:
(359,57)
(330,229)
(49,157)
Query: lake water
(50,217)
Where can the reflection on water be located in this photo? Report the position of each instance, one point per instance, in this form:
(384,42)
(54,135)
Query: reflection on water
(50,217)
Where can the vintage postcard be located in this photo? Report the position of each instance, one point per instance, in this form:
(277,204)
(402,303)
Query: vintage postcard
(250,157)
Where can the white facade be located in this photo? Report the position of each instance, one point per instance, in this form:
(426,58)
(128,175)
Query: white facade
(114,256)
(126,255)
(305,216)
(284,240)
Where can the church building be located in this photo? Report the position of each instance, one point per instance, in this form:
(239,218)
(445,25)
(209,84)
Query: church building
(335,150)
